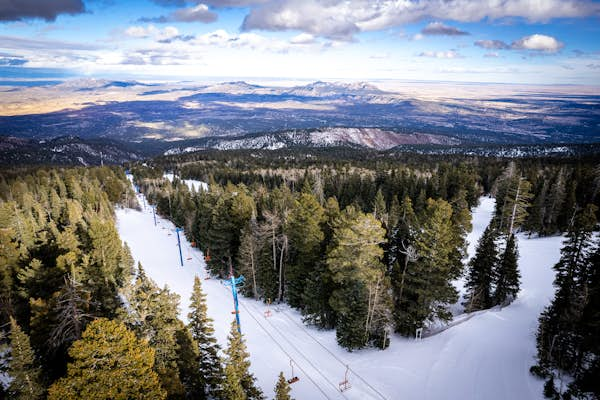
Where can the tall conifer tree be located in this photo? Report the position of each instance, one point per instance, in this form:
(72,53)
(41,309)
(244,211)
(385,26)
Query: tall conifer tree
(26,382)
(282,389)
(507,276)
(480,276)
(305,235)
(237,365)
(211,371)
(567,341)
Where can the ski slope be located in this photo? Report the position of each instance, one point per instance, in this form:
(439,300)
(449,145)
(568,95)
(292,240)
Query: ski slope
(486,356)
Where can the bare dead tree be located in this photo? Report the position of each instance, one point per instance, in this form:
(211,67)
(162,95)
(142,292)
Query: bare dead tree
(410,255)
(71,307)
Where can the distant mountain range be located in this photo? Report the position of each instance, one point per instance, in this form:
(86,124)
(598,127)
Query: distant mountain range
(178,112)
(71,150)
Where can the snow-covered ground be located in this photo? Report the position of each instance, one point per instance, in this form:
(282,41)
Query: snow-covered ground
(485,357)
(192,184)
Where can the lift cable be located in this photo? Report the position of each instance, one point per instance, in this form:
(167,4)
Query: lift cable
(284,351)
(307,360)
(334,356)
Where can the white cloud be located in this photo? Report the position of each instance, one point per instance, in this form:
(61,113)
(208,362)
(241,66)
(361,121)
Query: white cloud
(441,54)
(342,19)
(141,32)
(303,38)
(538,42)
(248,40)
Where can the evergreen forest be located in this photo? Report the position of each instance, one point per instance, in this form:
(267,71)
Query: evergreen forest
(363,243)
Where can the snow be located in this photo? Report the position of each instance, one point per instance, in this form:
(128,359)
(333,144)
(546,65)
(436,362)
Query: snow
(192,184)
(486,355)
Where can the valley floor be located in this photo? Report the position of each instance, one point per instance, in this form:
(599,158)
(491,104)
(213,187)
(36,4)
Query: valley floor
(484,357)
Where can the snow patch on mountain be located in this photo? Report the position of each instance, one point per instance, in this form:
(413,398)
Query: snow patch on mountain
(371,138)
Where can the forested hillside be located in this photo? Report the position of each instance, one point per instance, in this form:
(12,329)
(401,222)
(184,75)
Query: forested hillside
(79,319)
(364,246)
(367,246)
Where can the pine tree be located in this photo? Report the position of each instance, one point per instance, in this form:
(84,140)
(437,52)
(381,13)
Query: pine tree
(428,285)
(401,255)
(537,211)
(319,286)
(507,276)
(393,214)
(220,236)
(564,324)
(211,371)
(187,362)
(105,273)
(305,235)
(480,276)
(237,365)
(282,388)
(379,207)
(232,387)
(555,200)
(354,260)
(108,363)
(152,314)
(586,372)
(26,382)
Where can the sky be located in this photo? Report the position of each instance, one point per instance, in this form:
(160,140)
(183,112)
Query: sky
(502,41)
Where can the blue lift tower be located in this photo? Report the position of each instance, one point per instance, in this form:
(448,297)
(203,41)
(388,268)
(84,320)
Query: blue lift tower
(177,230)
(235,283)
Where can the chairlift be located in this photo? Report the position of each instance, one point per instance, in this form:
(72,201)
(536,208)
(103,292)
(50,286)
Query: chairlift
(294,378)
(345,384)
(268,312)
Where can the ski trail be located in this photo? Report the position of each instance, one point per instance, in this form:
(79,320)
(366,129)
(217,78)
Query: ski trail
(271,342)
(484,356)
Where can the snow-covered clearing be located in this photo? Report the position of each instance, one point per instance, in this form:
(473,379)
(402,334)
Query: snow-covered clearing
(192,184)
(485,357)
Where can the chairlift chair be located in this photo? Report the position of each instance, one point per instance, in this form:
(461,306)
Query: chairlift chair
(294,378)
(268,312)
(345,384)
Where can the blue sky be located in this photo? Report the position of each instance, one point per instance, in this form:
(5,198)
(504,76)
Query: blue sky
(509,41)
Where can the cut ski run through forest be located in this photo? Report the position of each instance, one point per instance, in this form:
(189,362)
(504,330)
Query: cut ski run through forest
(486,355)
